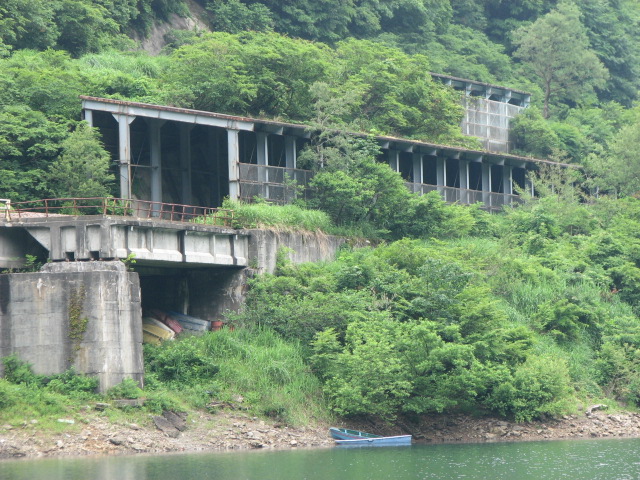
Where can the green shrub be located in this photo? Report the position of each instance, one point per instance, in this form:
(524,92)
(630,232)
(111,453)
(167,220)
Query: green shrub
(8,394)
(128,388)
(72,384)
(159,401)
(540,387)
(19,372)
(183,362)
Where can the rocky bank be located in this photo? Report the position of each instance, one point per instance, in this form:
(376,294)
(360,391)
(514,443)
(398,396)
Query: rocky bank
(231,430)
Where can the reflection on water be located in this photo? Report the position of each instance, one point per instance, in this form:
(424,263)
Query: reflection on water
(575,460)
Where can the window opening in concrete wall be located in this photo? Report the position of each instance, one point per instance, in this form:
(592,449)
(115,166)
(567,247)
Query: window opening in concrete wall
(406,166)
(453,173)
(430,170)
(475,176)
(496,179)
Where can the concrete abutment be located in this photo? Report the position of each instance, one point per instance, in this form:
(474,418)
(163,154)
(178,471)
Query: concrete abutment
(85,315)
(88,314)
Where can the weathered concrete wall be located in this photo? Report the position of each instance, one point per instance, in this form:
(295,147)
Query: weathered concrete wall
(216,292)
(39,313)
(210,293)
(264,246)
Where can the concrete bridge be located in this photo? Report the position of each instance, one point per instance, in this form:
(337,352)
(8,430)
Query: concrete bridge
(195,269)
(150,242)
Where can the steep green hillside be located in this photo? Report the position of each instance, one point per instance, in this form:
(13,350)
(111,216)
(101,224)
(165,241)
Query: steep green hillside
(580,59)
(524,314)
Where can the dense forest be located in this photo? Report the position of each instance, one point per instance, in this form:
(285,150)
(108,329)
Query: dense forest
(285,60)
(524,314)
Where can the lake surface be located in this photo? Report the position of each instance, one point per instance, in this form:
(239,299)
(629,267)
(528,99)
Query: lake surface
(576,460)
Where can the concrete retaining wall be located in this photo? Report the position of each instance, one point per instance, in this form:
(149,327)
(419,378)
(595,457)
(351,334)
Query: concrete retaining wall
(35,313)
(264,246)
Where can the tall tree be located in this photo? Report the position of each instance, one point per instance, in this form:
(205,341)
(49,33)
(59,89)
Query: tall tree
(619,170)
(83,168)
(556,48)
(612,27)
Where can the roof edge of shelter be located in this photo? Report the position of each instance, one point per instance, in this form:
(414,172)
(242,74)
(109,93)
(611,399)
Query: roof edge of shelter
(256,124)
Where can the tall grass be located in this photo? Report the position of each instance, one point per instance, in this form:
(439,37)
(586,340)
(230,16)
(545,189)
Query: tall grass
(279,217)
(257,365)
(138,64)
(269,372)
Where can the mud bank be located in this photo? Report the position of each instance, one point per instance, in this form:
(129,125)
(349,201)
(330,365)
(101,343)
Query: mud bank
(226,431)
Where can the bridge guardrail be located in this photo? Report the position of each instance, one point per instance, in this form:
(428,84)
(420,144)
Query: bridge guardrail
(54,207)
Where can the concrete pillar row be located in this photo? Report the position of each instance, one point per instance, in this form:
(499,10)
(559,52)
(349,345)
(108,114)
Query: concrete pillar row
(233,158)
(290,151)
(417,169)
(215,160)
(528,184)
(124,153)
(262,148)
(185,162)
(262,157)
(394,160)
(507,183)
(507,179)
(155,147)
(441,173)
(486,184)
(88,117)
(464,180)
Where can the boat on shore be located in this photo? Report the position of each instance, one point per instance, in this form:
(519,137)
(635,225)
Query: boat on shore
(344,436)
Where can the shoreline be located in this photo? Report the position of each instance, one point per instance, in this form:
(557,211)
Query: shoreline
(232,431)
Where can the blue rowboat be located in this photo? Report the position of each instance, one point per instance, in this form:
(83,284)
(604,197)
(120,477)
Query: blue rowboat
(344,436)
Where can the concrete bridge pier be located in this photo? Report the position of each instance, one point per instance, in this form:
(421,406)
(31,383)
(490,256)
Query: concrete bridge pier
(85,315)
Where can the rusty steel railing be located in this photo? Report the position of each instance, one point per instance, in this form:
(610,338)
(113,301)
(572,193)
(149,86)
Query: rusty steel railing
(491,200)
(275,184)
(58,207)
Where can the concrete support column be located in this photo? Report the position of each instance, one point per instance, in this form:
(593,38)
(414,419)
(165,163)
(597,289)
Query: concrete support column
(214,159)
(290,151)
(394,160)
(185,162)
(441,174)
(464,181)
(507,183)
(417,171)
(124,153)
(233,158)
(262,156)
(155,148)
(36,320)
(88,117)
(528,184)
(486,184)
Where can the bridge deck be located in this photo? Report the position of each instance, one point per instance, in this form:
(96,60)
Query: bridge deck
(100,237)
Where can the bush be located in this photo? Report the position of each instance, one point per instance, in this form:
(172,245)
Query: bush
(128,388)
(72,384)
(8,395)
(19,372)
(183,362)
(540,387)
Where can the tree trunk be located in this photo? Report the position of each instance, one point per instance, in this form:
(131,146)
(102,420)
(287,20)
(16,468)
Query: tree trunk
(547,94)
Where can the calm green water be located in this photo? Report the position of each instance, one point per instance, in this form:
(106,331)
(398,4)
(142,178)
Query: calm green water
(576,460)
